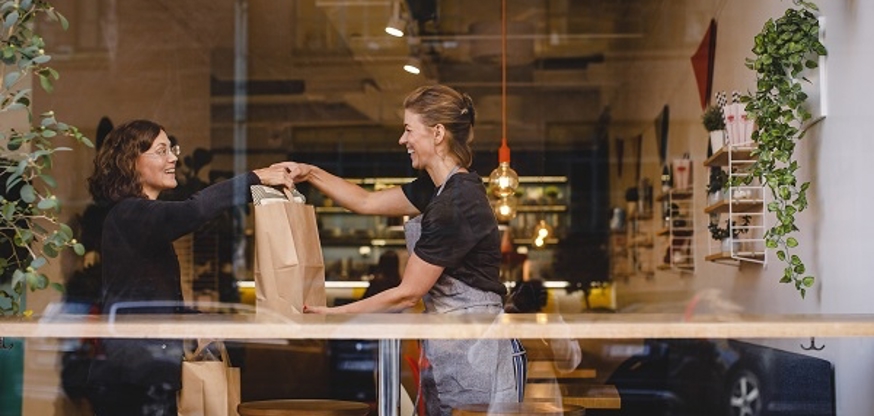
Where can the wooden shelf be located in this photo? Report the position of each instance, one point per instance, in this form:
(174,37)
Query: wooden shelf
(720,158)
(676,194)
(541,208)
(738,205)
(639,216)
(682,267)
(663,231)
(755,255)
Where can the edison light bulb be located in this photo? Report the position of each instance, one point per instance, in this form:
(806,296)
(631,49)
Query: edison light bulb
(505,209)
(542,230)
(503,180)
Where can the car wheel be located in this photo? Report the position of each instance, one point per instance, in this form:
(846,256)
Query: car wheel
(745,394)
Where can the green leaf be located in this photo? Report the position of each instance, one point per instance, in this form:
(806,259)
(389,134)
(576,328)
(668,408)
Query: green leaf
(17,277)
(781,255)
(808,281)
(64,23)
(27,193)
(38,262)
(48,203)
(50,251)
(66,230)
(42,59)
(36,281)
(58,287)
(10,79)
(49,180)
(791,242)
(46,83)
(24,236)
(8,211)
(11,19)
(79,249)
(771,244)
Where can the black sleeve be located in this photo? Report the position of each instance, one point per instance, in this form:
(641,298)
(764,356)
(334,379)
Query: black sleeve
(420,191)
(170,220)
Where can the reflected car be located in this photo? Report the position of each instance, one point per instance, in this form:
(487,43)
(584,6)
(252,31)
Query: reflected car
(722,377)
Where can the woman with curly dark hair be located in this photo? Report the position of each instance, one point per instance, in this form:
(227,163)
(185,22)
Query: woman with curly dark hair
(134,165)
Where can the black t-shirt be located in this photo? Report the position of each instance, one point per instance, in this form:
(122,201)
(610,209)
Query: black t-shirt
(459,229)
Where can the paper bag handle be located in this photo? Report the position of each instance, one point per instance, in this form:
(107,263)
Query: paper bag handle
(220,346)
(294,195)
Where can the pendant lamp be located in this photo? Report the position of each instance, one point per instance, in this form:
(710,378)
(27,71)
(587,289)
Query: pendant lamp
(504,180)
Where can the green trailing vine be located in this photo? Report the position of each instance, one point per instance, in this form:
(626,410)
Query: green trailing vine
(30,229)
(784,49)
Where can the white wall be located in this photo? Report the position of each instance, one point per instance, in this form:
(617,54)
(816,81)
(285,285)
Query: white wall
(836,156)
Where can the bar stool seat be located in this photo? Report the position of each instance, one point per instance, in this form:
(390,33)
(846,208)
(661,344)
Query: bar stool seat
(515,409)
(301,407)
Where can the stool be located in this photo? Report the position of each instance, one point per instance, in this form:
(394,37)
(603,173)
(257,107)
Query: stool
(515,409)
(303,408)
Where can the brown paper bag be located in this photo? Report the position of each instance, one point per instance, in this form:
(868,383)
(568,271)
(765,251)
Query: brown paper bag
(209,387)
(289,267)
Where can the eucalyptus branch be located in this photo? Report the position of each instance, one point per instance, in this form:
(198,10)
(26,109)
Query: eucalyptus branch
(29,225)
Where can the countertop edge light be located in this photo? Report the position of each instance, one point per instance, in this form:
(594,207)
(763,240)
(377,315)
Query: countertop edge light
(428,326)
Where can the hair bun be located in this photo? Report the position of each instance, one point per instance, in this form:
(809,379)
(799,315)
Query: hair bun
(468,108)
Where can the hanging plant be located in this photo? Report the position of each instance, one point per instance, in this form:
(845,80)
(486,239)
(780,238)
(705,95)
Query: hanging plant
(784,49)
(30,229)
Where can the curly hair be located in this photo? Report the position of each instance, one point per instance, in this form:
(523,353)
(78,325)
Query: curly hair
(115,174)
(439,104)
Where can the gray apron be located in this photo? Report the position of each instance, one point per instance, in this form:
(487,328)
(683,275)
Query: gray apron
(464,372)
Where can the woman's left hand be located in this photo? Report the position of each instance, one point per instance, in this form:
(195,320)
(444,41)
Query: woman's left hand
(275,175)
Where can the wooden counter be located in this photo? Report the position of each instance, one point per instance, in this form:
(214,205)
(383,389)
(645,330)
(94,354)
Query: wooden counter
(390,328)
(421,326)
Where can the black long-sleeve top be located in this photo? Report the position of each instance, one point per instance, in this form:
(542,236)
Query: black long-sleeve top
(140,264)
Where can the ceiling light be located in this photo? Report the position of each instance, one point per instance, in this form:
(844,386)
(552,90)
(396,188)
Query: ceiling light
(413,65)
(396,25)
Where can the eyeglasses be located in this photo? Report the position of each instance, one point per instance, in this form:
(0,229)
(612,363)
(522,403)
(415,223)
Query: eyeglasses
(166,151)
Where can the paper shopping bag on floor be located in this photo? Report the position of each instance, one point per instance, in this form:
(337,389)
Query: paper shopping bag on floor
(210,386)
(289,267)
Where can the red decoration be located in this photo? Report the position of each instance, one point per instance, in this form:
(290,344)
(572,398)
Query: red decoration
(702,64)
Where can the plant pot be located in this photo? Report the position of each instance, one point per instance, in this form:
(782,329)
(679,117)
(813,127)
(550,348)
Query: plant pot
(729,245)
(717,140)
(715,197)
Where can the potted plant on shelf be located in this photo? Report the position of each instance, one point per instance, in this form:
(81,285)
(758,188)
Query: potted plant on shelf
(784,49)
(716,185)
(714,123)
(728,235)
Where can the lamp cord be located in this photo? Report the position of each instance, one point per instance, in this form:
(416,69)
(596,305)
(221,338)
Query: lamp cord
(504,73)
